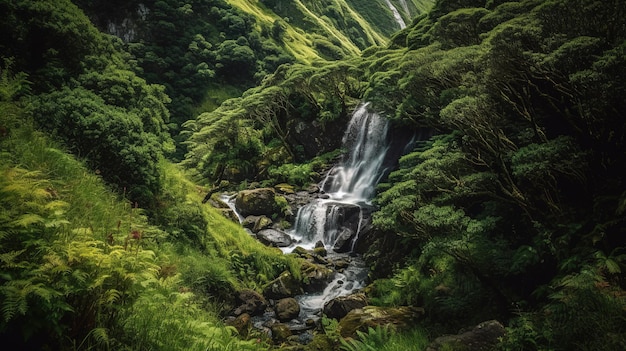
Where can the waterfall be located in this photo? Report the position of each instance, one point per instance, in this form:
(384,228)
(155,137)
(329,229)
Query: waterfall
(396,14)
(337,219)
(354,179)
(349,186)
(405,7)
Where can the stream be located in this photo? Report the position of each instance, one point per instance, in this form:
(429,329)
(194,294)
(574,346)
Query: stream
(342,210)
(337,219)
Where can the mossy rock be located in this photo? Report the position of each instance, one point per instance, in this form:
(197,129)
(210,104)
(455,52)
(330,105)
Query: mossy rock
(320,251)
(399,318)
(285,188)
(316,276)
(280,332)
(257,202)
(286,285)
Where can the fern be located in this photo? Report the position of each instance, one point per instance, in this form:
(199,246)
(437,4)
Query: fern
(373,340)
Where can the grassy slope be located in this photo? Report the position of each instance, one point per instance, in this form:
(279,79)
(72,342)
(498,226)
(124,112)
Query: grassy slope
(304,17)
(48,193)
(296,41)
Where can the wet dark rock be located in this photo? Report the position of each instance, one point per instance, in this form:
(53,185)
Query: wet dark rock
(312,189)
(341,263)
(360,319)
(287,309)
(316,276)
(256,202)
(274,237)
(252,303)
(347,220)
(283,286)
(256,223)
(340,306)
(483,337)
(344,240)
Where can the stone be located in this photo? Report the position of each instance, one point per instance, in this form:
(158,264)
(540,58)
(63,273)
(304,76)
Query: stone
(341,263)
(343,243)
(348,220)
(316,277)
(256,223)
(284,188)
(280,332)
(252,303)
(283,286)
(241,323)
(483,337)
(301,251)
(360,319)
(287,309)
(256,202)
(274,237)
(339,307)
(320,251)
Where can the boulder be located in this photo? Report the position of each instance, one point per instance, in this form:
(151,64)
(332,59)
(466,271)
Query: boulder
(339,307)
(343,243)
(287,309)
(316,276)
(283,286)
(252,303)
(280,332)
(341,263)
(400,318)
(256,202)
(274,237)
(320,251)
(347,218)
(256,223)
(301,251)
(241,323)
(483,337)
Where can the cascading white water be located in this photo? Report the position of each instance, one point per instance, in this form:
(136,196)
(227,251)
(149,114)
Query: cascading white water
(405,7)
(354,179)
(337,220)
(396,14)
(348,186)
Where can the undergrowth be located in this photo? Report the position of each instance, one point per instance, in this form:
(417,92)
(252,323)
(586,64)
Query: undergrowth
(83,269)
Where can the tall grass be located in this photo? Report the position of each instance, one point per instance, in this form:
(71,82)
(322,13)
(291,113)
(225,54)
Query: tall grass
(84,269)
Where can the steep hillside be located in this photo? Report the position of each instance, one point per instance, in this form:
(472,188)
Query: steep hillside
(514,210)
(204,52)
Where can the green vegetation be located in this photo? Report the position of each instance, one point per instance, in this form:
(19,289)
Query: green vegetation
(83,269)
(513,210)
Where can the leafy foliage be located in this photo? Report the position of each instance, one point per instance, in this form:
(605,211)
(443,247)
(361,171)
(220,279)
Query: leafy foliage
(82,269)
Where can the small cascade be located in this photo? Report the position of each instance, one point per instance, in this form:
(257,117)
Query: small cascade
(396,14)
(337,219)
(405,7)
(349,186)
